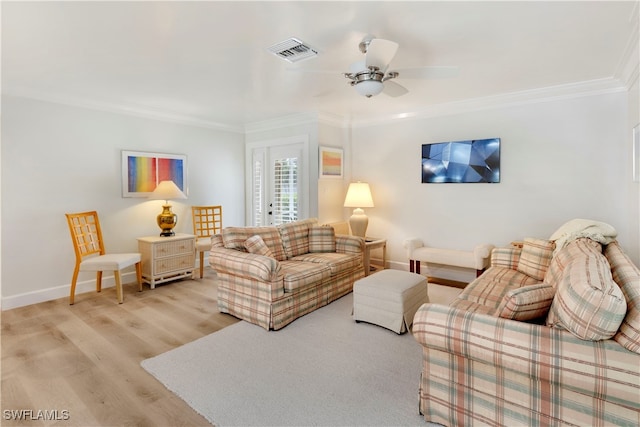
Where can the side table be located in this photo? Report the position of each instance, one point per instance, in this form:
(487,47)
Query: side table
(373,243)
(167,258)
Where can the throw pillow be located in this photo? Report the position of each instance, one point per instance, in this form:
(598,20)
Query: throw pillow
(255,245)
(627,276)
(322,238)
(527,303)
(535,257)
(588,303)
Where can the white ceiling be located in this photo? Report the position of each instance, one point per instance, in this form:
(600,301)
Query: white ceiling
(208,61)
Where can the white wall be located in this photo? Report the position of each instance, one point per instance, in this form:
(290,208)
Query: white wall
(58,159)
(560,160)
(331,191)
(634,120)
(282,130)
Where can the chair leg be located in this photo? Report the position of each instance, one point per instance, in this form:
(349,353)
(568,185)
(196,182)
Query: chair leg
(74,279)
(116,274)
(99,281)
(139,275)
(201,264)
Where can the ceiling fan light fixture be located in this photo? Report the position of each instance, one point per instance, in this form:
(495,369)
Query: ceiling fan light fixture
(369,88)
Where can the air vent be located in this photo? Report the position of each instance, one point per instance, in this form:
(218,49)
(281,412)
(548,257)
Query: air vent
(293,50)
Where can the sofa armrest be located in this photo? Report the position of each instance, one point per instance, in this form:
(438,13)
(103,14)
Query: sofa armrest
(506,257)
(546,355)
(411,245)
(349,244)
(244,264)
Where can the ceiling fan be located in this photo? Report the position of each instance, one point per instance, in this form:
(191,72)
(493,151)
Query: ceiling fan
(371,77)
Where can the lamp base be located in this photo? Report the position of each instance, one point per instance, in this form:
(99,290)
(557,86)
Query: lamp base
(167,220)
(358,223)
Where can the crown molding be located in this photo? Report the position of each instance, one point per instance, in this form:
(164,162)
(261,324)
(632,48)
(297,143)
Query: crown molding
(533,96)
(130,110)
(282,122)
(330,119)
(629,75)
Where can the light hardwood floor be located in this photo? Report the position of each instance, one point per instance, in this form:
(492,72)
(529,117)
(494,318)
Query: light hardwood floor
(85,358)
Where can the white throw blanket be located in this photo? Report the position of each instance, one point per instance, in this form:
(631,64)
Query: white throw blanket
(576,228)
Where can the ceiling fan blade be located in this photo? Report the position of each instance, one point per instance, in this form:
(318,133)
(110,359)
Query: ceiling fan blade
(380,53)
(393,89)
(428,72)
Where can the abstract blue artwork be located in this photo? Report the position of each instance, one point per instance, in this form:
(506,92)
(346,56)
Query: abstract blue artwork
(472,161)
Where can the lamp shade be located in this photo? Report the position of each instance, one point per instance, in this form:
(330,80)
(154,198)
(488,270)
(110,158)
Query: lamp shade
(167,190)
(358,196)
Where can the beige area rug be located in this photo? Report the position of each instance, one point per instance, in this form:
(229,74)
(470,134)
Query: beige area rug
(324,369)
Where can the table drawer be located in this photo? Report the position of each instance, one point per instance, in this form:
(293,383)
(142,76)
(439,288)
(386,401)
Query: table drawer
(176,247)
(167,265)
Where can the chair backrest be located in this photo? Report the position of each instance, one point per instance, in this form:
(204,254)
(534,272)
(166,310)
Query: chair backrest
(207,220)
(85,233)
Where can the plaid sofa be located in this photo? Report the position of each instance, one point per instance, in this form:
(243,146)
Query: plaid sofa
(533,349)
(293,269)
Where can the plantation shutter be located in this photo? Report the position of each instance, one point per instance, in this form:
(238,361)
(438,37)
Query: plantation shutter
(285,194)
(258,188)
(276,182)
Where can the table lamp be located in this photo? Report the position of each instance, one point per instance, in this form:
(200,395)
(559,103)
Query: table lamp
(358,197)
(167,220)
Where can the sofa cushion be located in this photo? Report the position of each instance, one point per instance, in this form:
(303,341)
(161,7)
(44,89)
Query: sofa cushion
(216,241)
(527,303)
(295,236)
(300,275)
(588,303)
(337,262)
(234,238)
(322,239)
(535,257)
(561,259)
(491,287)
(627,276)
(255,245)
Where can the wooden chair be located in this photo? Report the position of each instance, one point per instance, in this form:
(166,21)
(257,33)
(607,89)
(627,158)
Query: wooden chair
(207,221)
(91,256)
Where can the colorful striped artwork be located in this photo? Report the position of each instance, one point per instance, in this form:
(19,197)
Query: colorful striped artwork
(143,171)
(171,170)
(141,174)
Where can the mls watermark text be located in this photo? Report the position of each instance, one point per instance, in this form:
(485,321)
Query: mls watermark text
(36,414)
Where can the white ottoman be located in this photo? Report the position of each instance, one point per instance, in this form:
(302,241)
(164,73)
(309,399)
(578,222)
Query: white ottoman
(389,298)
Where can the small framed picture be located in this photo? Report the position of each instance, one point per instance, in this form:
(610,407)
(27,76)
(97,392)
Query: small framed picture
(636,153)
(331,162)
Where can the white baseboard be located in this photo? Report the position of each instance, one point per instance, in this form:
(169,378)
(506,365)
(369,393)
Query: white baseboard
(62,291)
(54,293)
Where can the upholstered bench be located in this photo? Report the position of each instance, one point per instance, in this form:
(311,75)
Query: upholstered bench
(478,259)
(389,298)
